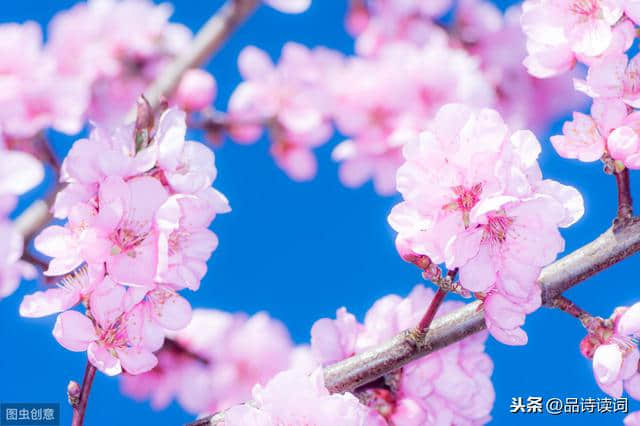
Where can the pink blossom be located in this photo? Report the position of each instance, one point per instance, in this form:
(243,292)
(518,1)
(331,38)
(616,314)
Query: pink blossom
(71,290)
(104,336)
(314,404)
(580,139)
(196,90)
(290,99)
(613,76)
(138,207)
(523,100)
(185,243)
(558,31)
(233,352)
(380,118)
(474,198)
(33,96)
(615,354)
(115,48)
(151,226)
(119,232)
(449,386)
(632,419)
(334,340)
(623,142)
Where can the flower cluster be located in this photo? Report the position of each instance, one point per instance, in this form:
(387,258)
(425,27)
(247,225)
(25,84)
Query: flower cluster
(405,68)
(380,118)
(138,202)
(33,96)
(474,198)
(115,48)
(613,127)
(559,33)
(449,386)
(496,39)
(216,360)
(597,33)
(290,99)
(612,344)
(313,405)
(19,172)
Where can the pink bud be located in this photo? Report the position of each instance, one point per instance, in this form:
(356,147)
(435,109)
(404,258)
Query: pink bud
(622,142)
(73,389)
(196,91)
(357,19)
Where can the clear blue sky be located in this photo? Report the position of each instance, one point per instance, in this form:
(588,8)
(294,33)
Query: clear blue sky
(299,251)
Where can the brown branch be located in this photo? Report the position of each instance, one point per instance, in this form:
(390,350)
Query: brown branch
(571,308)
(603,252)
(427,319)
(33,219)
(80,408)
(625,203)
(206,42)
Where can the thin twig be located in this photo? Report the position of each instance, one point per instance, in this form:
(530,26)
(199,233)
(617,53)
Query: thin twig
(625,203)
(428,317)
(34,260)
(347,375)
(80,409)
(572,309)
(444,285)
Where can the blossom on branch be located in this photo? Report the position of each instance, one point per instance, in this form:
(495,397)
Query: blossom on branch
(34,96)
(474,198)
(289,99)
(138,204)
(313,404)
(115,48)
(216,360)
(449,386)
(612,345)
(561,32)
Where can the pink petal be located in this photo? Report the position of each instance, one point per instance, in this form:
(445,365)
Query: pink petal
(169,138)
(479,273)
(169,309)
(74,331)
(136,360)
(254,63)
(43,303)
(107,302)
(623,142)
(607,362)
(103,360)
(629,322)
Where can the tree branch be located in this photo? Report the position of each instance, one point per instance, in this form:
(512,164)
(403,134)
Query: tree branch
(33,219)
(603,252)
(206,42)
(80,408)
(625,203)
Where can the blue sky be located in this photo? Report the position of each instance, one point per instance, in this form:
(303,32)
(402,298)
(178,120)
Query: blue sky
(301,250)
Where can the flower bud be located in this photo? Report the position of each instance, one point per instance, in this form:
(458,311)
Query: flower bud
(196,91)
